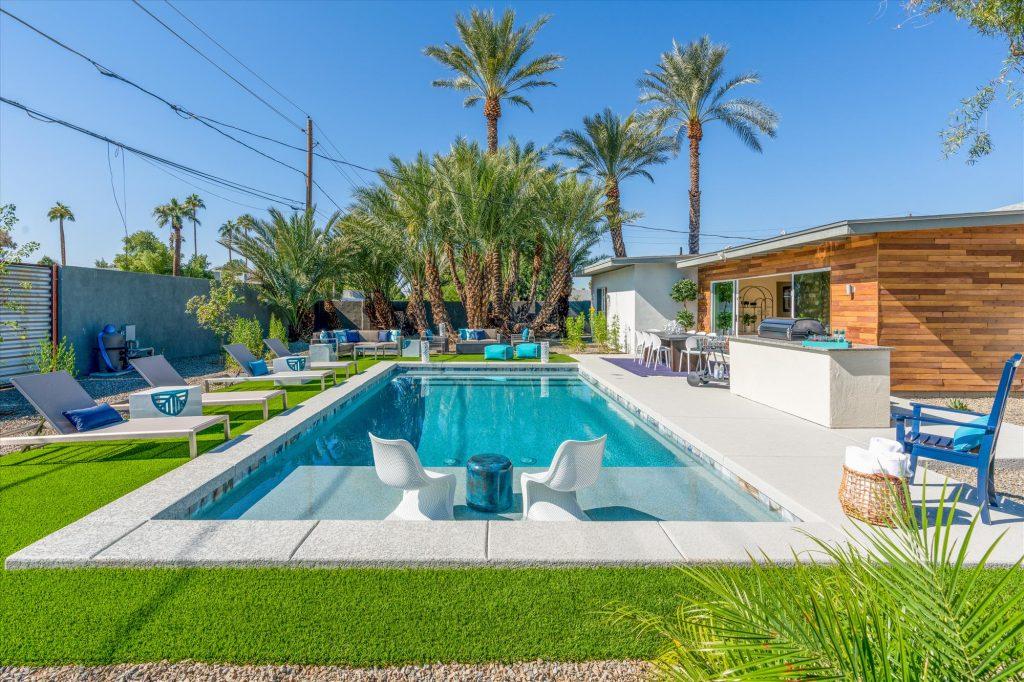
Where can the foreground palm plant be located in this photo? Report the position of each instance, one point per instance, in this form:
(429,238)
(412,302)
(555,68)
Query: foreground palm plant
(488,63)
(688,92)
(895,605)
(612,149)
(292,263)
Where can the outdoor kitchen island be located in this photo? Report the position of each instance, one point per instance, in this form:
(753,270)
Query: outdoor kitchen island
(837,388)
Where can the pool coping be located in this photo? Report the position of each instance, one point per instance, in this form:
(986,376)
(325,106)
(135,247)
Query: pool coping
(144,528)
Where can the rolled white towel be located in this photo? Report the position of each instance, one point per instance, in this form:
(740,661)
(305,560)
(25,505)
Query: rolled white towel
(867,462)
(860,460)
(879,444)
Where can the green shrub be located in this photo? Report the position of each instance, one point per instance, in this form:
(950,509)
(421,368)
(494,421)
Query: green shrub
(599,327)
(958,404)
(213,312)
(50,358)
(574,327)
(278,330)
(249,332)
(614,330)
(685,319)
(684,290)
(898,605)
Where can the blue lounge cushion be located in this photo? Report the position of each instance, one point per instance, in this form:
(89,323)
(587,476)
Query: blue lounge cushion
(528,350)
(259,368)
(966,438)
(498,351)
(89,418)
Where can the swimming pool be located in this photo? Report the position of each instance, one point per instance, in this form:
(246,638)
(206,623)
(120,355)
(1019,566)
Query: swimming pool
(327,473)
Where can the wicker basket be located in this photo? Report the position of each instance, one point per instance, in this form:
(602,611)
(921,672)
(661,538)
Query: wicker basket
(877,499)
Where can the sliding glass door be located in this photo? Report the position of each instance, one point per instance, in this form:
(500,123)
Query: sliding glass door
(723,307)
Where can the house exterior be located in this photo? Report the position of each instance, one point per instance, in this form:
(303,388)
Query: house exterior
(637,290)
(946,292)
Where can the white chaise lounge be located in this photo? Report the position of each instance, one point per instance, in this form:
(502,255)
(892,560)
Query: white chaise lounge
(156,371)
(426,495)
(243,356)
(551,495)
(281,351)
(55,393)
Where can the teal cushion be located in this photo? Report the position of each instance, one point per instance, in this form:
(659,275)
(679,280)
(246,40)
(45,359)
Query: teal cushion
(497,351)
(526,334)
(464,334)
(259,368)
(965,438)
(528,350)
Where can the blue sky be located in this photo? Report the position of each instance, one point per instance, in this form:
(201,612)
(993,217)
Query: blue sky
(860,100)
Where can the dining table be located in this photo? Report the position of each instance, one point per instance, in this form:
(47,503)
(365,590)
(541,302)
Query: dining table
(676,343)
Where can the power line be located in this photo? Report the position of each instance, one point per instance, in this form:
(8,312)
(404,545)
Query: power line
(110,170)
(209,177)
(216,65)
(239,61)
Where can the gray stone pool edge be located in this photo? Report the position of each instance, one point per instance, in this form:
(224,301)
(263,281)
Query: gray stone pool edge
(141,528)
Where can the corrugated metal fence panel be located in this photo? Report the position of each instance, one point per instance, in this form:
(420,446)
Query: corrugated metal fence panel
(31,288)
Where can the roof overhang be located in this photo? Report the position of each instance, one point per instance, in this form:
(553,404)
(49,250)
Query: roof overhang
(849,228)
(613,263)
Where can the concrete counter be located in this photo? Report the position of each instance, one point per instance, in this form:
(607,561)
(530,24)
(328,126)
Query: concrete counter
(837,388)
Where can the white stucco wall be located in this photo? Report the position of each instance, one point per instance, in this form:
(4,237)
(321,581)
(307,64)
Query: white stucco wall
(640,296)
(620,299)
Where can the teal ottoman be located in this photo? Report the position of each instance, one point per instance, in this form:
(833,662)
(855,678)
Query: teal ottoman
(528,350)
(498,351)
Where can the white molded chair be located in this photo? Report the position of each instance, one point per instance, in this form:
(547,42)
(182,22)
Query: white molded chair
(426,495)
(691,346)
(659,353)
(639,346)
(551,495)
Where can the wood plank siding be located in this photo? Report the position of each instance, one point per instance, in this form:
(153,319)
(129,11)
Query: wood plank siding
(950,302)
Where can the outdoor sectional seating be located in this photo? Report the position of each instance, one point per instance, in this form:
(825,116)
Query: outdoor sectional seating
(474,346)
(368,341)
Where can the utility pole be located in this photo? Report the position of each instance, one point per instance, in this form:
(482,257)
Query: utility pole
(309,162)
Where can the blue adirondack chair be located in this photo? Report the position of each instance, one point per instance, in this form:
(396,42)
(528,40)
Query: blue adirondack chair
(973,443)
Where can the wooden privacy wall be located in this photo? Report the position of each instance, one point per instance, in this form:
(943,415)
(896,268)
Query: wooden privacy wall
(852,261)
(949,302)
(952,306)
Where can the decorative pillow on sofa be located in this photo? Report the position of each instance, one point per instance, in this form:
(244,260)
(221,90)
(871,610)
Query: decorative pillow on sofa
(478,335)
(393,334)
(352,336)
(464,335)
(384,335)
(89,418)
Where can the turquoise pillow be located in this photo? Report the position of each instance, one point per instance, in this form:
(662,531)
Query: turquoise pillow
(464,334)
(526,334)
(259,368)
(965,438)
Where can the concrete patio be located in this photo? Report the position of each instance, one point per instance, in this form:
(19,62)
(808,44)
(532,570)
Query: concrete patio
(792,462)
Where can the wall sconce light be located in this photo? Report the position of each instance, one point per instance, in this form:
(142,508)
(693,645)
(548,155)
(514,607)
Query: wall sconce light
(849,290)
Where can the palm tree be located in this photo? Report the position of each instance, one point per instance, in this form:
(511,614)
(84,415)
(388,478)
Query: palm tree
(293,264)
(192,204)
(227,235)
(487,63)
(688,92)
(570,216)
(171,215)
(60,213)
(612,149)
(244,223)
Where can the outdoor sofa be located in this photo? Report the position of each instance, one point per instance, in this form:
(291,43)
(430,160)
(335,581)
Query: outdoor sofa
(369,340)
(473,346)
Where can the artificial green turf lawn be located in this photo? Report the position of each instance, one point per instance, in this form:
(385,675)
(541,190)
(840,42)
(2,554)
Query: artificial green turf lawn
(479,357)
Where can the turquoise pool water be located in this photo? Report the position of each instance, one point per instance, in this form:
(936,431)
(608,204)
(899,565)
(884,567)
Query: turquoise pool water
(328,473)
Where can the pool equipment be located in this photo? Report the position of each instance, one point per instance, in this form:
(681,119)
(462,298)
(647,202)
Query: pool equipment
(712,366)
(112,349)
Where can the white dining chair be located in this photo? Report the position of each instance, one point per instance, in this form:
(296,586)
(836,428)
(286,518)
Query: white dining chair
(660,353)
(691,346)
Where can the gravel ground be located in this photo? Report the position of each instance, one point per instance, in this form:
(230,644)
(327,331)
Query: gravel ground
(536,671)
(15,411)
(1014,406)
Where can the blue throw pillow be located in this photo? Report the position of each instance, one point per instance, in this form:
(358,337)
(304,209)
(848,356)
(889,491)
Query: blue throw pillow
(393,334)
(526,334)
(384,335)
(89,418)
(479,335)
(259,368)
(965,438)
(352,336)
(464,334)
(427,334)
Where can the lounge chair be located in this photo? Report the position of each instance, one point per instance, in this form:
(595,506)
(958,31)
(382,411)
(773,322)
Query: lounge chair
(156,371)
(281,351)
(243,356)
(55,393)
(551,495)
(426,495)
(973,443)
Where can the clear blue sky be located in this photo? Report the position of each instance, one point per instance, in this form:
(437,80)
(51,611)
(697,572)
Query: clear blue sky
(861,103)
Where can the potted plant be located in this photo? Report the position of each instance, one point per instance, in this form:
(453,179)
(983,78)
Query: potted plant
(684,291)
(749,322)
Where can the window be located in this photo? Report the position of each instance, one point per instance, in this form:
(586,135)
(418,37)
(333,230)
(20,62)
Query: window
(811,295)
(599,295)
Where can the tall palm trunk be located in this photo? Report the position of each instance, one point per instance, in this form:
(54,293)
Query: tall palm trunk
(561,287)
(535,267)
(414,310)
(176,263)
(492,110)
(494,287)
(509,292)
(195,240)
(475,309)
(63,254)
(613,213)
(230,256)
(436,295)
(449,255)
(381,313)
(695,134)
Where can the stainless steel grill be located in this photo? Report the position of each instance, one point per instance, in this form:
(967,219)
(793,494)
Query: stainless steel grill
(790,329)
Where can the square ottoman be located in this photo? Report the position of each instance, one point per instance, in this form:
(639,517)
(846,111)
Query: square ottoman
(528,350)
(498,351)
